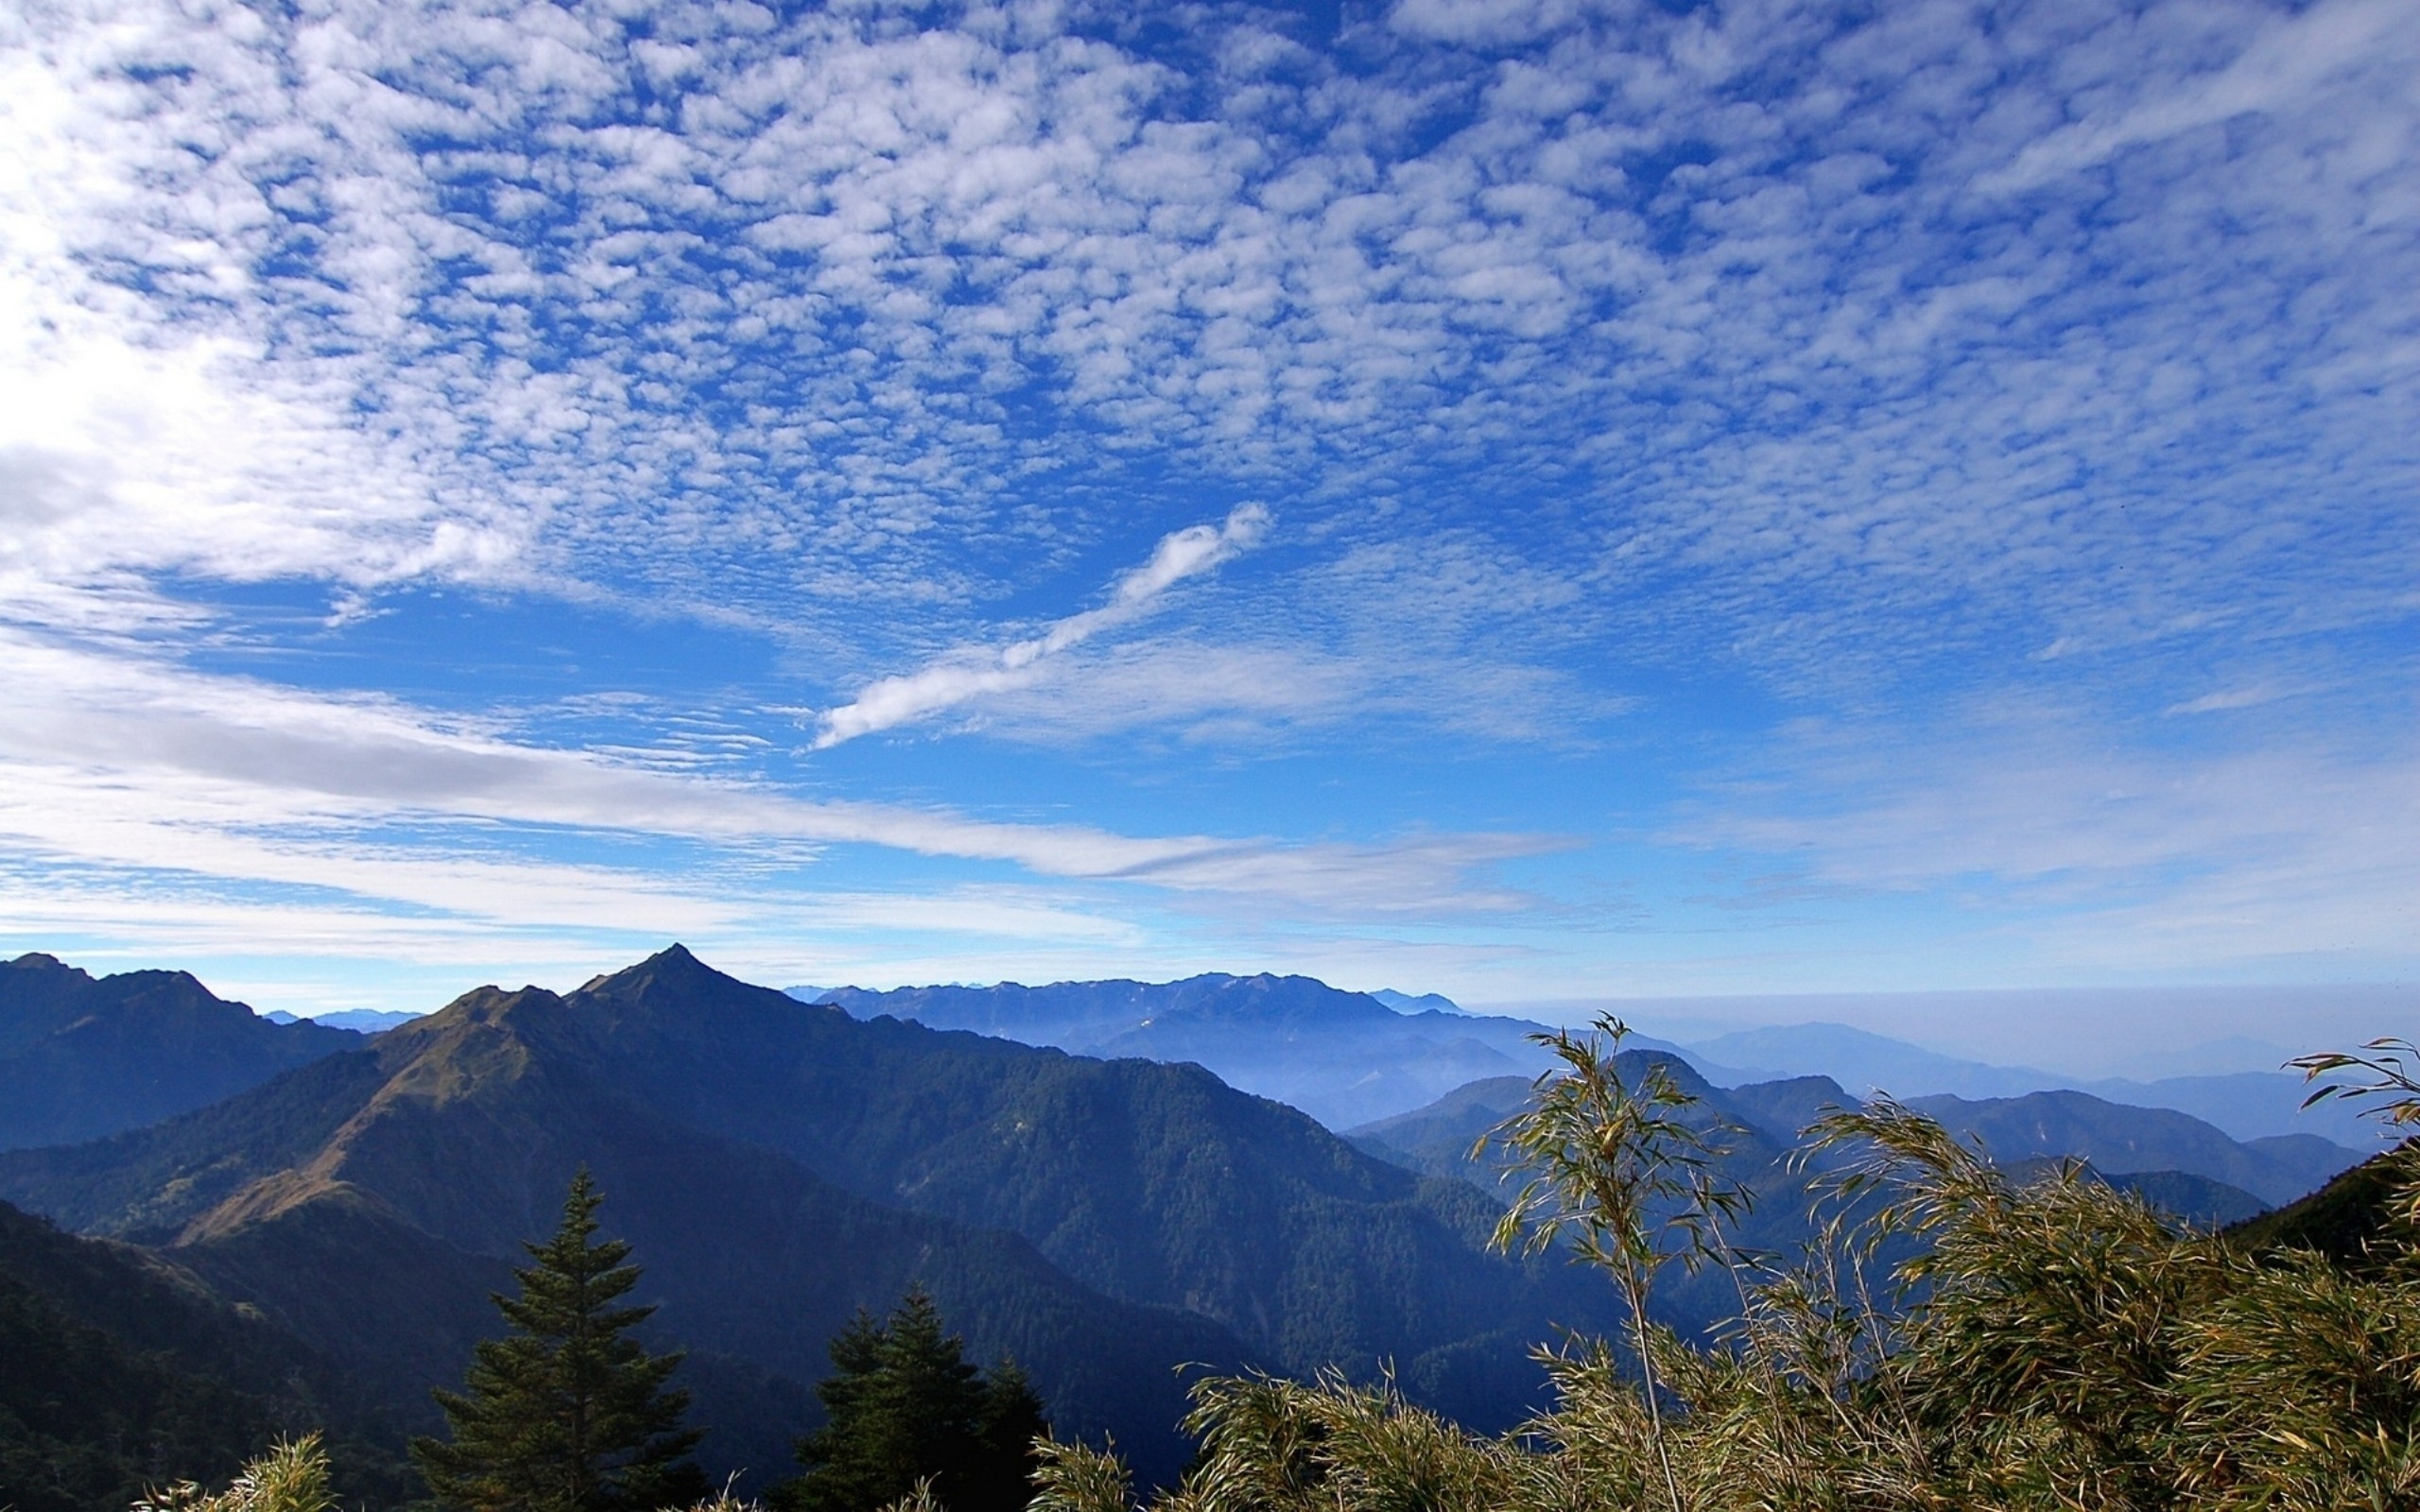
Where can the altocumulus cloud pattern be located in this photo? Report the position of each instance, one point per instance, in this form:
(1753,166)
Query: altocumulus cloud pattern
(1793,457)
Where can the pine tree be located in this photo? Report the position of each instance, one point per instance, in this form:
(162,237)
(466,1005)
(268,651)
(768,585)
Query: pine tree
(567,1413)
(904,1406)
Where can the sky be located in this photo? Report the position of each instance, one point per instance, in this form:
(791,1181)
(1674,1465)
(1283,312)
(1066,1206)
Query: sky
(1535,500)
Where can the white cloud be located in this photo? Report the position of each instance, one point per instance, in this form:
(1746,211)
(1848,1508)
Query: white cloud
(1682,345)
(2289,65)
(1646,292)
(125,762)
(2228,698)
(2143,859)
(896,701)
(150,433)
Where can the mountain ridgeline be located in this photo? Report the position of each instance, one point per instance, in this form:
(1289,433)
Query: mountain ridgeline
(1343,1057)
(2246,1105)
(2177,1161)
(82,1057)
(1350,1058)
(331,1227)
(780,1165)
(121,1370)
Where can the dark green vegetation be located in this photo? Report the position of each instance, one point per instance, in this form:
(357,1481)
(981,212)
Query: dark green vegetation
(2353,1220)
(1959,1339)
(781,1166)
(567,1411)
(82,1057)
(120,1370)
(906,1410)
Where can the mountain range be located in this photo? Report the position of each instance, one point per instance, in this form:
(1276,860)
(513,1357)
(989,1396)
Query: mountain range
(2247,1104)
(1348,1058)
(360,1020)
(1343,1057)
(121,1370)
(2192,1168)
(82,1057)
(779,1165)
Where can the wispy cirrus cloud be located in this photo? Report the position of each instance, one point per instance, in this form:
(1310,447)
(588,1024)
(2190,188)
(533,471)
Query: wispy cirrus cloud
(2295,850)
(129,762)
(889,702)
(2229,699)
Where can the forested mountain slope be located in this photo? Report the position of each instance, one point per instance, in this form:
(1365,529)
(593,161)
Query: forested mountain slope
(778,1164)
(82,1057)
(119,1370)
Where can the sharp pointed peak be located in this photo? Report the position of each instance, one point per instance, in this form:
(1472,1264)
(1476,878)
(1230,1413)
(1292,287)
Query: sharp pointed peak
(675,960)
(675,966)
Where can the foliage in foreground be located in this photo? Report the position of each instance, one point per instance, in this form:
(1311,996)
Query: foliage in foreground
(1954,1338)
(567,1413)
(912,1422)
(290,1477)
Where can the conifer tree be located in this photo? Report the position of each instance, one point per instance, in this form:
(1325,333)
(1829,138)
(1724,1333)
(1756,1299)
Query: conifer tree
(567,1413)
(905,1407)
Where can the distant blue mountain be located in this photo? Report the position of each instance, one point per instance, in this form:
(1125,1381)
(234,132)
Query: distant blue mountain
(2246,1105)
(2119,1138)
(361,1020)
(1865,1062)
(1351,1058)
(1426,1003)
(2176,1161)
(1343,1057)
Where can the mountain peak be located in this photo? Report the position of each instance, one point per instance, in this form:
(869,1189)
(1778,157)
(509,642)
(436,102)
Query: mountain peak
(674,988)
(82,1057)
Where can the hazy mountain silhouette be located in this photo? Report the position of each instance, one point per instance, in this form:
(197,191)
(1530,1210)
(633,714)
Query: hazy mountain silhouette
(2118,1139)
(2187,1167)
(1343,1057)
(2246,1105)
(82,1057)
(360,1020)
(1351,1058)
(1423,1002)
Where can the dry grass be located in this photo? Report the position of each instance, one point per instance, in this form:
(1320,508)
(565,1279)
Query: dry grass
(2051,1345)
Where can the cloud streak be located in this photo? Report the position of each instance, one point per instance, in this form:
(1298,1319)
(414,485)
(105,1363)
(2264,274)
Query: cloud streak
(889,702)
(2108,860)
(129,762)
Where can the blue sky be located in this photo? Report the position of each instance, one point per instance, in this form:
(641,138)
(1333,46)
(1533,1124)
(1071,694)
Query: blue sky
(1530,500)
